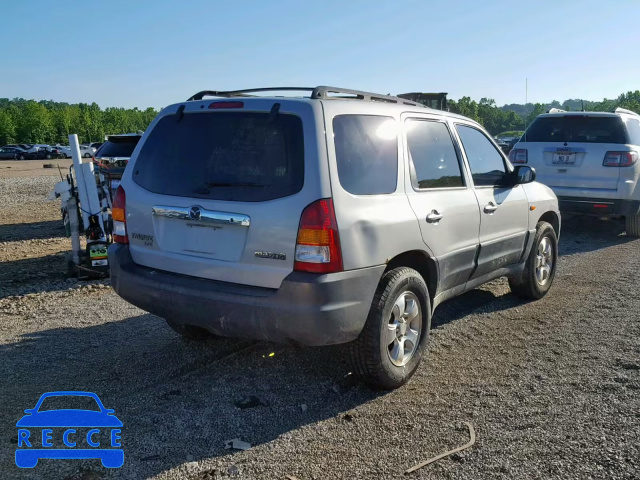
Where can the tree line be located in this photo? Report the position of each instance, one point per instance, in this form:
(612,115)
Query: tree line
(515,117)
(49,122)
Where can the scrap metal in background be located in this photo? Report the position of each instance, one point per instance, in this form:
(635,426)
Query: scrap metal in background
(86,210)
(431,100)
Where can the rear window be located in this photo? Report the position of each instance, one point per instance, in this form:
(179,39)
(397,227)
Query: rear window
(235,156)
(366,153)
(574,128)
(118,147)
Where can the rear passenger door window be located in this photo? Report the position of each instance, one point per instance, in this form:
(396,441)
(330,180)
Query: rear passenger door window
(485,161)
(433,159)
(366,153)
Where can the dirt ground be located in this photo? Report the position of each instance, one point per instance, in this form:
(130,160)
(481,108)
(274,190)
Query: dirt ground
(552,387)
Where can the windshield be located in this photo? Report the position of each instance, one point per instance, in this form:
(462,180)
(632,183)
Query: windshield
(576,128)
(66,402)
(239,156)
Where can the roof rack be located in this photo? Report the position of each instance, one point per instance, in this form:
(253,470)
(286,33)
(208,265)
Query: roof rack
(624,110)
(556,110)
(320,92)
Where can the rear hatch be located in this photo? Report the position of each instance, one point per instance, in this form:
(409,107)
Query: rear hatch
(217,191)
(568,151)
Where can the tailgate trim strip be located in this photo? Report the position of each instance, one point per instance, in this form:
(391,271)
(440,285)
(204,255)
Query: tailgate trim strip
(199,214)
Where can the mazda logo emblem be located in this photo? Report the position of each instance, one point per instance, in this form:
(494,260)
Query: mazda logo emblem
(194,213)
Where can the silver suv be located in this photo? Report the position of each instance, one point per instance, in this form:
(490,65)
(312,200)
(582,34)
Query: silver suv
(589,159)
(343,216)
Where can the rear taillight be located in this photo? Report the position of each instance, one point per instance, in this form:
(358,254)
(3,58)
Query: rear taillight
(518,155)
(318,244)
(119,217)
(620,159)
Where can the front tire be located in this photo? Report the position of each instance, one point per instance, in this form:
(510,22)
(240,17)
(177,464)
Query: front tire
(21,157)
(86,155)
(540,266)
(394,338)
(632,225)
(190,332)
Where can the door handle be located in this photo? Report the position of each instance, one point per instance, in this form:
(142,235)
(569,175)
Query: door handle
(490,208)
(434,216)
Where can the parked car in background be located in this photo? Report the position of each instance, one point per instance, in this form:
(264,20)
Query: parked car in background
(12,153)
(22,146)
(590,161)
(87,151)
(42,153)
(504,146)
(36,146)
(343,216)
(96,145)
(114,154)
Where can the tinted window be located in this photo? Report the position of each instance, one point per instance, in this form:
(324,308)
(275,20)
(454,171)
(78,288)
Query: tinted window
(117,147)
(576,128)
(486,163)
(237,156)
(633,130)
(65,402)
(366,153)
(433,157)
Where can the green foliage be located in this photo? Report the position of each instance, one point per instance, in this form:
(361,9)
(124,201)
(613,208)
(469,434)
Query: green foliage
(28,121)
(511,133)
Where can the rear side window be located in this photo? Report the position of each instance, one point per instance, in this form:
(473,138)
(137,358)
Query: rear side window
(366,153)
(235,156)
(576,128)
(434,160)
(633,130)
(486,163)
(121,147)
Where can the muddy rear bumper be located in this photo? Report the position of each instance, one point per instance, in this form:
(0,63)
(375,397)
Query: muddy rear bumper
(310,309)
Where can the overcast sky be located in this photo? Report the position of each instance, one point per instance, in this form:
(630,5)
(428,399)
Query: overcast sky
(153,53)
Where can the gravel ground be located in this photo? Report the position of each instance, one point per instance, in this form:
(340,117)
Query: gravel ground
(552,387)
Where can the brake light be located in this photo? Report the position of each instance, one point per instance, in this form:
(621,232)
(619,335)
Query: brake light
(318,244)
(620,159)
(119,217)
(216,105)
(518,155)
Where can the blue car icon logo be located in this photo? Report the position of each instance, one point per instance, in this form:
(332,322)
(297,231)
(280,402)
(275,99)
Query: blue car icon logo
(66,433)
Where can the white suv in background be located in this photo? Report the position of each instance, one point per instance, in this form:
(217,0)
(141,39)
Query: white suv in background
(589,159)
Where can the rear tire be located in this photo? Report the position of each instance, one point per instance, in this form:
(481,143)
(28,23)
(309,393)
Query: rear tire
(536,279)
(632,225)
(190,332)
(384,355)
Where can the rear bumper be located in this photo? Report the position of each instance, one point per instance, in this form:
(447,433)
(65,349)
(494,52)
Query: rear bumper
(599,206)
(310,309)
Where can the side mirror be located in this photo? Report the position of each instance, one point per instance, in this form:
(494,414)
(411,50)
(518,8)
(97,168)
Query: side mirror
(29,411)
(523,174)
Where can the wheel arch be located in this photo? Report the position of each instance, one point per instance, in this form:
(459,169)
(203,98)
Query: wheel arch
(424,264)
(552,218)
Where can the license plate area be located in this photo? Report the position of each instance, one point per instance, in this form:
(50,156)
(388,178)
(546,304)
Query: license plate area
(561,158)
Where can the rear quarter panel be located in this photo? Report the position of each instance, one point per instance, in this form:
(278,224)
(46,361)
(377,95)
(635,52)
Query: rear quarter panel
(373,228)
